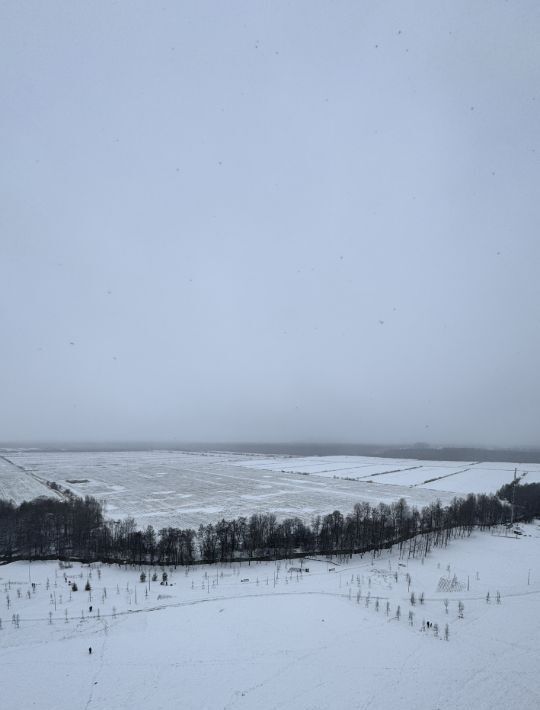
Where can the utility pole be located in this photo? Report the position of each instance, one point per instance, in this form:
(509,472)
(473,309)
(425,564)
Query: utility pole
(513,496)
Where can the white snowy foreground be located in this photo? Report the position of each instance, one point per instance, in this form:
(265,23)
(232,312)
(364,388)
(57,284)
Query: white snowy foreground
(261,636)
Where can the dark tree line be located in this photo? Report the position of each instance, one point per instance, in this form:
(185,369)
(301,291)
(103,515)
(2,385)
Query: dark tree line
(525,496)
(76,528)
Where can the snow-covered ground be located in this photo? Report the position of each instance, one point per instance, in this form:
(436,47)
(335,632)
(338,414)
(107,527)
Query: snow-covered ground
(459,477)
(185,489)
(261,636)
(17,484)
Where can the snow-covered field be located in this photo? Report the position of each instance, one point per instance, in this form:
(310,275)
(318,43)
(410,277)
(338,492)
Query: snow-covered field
(260,636)
(460,477)
(186,489)
(17,484)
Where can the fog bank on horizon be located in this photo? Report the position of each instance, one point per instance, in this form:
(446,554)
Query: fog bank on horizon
(286,222)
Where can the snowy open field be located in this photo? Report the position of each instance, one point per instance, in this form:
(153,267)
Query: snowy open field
(17,484)
(185,489)
(459,477)
(260,636)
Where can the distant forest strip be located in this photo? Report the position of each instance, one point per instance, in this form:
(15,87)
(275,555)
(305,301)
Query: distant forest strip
(76,528)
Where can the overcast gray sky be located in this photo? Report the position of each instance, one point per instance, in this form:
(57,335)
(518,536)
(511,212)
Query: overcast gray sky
(270,221)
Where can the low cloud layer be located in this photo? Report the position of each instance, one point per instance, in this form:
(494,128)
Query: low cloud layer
(268,222)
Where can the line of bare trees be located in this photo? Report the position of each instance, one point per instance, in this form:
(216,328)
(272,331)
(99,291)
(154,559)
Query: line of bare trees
(76,528)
